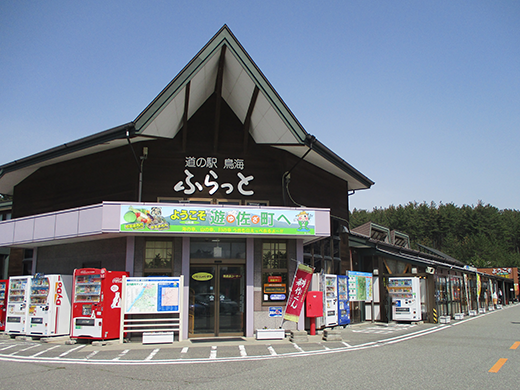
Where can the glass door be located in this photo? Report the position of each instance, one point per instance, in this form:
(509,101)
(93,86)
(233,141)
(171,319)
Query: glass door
(231,303)
(216,300)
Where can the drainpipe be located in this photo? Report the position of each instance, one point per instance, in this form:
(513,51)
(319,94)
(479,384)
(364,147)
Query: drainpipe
(143,157)
(140,164)
(286,177)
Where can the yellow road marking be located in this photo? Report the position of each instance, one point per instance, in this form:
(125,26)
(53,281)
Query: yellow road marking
(515,345)
(498,365)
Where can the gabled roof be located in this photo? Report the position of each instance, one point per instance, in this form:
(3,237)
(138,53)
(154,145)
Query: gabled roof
(270,120)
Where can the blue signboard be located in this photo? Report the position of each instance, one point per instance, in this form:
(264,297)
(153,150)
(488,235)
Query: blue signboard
(275,311)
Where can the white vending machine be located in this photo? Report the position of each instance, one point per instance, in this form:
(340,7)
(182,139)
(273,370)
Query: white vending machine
(49,307)
(329,286)
(17,304)
(406,298)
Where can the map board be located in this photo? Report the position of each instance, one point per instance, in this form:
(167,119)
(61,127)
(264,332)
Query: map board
(359,286)
(152,295)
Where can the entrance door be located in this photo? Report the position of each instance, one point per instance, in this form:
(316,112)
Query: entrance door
(217,295)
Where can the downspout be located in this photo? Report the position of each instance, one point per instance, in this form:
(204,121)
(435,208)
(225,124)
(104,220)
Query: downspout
(139,165)
(286,177)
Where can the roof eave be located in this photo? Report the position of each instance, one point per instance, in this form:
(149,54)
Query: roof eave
(334,159)
(119,132)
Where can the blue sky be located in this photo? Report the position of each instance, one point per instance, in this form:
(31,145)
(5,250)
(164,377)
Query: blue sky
(423,97)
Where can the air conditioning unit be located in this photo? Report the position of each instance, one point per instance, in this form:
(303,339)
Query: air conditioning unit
(430,270)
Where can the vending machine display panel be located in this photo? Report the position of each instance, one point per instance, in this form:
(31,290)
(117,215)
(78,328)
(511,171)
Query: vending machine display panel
(406,298)
(18,297)
(49,305)
(3,302)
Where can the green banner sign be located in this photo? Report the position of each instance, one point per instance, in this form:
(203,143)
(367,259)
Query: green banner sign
(223,220)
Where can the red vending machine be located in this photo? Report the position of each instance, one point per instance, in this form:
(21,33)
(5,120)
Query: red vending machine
(3,302)
(96,307)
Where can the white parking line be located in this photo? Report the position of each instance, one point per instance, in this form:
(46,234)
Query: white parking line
(152,354)
(346,344)
(71,350)
(25,349)
(213,354)
(184,350)
(123,353)
(271,351)
(94,353)
(298,347)
(8,347)
(45,350)
(242,350)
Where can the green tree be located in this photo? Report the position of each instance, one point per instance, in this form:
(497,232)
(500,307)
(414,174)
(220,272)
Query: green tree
(481,235)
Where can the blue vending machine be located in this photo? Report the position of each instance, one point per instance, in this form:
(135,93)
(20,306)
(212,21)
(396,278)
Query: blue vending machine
(343,303)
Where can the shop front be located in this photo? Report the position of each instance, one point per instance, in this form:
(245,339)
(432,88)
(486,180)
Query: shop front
(223,264)
(447,287)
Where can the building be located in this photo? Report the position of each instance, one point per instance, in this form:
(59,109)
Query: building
(448,287)
(509,273)
(215,180)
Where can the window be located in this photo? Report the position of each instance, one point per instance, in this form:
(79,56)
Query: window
(211,248)
(257,203)
(158,258)
(230,202)
(274,271)
(27,261)
(4,216)
(3,264)
(185,200)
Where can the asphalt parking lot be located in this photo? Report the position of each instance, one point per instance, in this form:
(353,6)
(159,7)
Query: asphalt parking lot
(60,349)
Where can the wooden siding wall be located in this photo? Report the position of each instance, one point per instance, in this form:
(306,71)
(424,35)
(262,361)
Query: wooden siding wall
(113,175)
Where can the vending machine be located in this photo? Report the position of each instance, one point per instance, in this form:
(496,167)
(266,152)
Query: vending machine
(329,286)
(406,298)
(49,307)
(3,302)
(343,302)
(18,297)
(96,307)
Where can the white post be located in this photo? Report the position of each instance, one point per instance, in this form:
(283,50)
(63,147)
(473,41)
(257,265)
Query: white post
(181,308)
(250,288)
(122,316)
(185,270)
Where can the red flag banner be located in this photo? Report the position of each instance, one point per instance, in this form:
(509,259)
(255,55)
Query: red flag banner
(300,285)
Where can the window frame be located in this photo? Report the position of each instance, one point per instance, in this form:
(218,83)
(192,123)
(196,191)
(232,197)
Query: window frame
(164,271)
(281,271)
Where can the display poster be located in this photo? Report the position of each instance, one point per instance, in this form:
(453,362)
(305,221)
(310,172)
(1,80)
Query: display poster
(359,286)
(152,295)
(192,219)
(300,285)
(275,311)
(503,272)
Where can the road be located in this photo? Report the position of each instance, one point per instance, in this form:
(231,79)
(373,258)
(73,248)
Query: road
(459,355)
